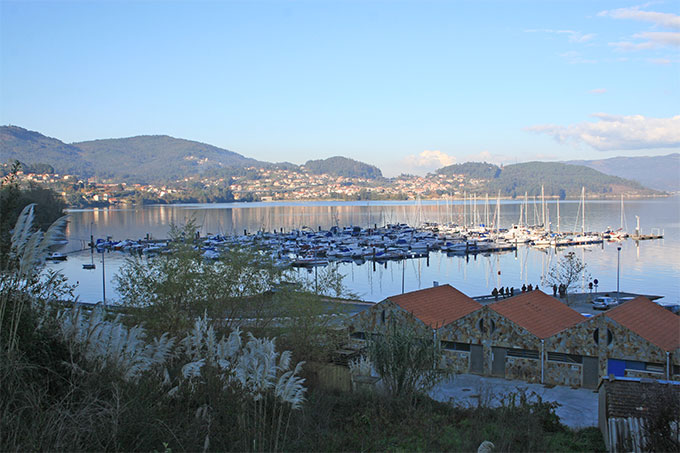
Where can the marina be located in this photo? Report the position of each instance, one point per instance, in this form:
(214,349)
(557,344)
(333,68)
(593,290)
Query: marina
(418,243)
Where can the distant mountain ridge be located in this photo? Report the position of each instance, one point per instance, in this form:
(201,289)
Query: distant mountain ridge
(150,158)
(343,166)
(146,158)
(656,172)
(161,158)
(554,178)
(30,147)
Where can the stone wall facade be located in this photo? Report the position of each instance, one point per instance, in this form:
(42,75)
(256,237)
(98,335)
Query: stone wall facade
(558,359)
(381,317)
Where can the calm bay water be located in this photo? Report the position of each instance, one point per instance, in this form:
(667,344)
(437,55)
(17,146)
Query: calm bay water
(649,267)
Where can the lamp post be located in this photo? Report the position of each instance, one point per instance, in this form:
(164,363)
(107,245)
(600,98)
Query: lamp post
(618,272)
(103,279)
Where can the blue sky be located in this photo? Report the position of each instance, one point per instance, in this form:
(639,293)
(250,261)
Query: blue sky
(407,86)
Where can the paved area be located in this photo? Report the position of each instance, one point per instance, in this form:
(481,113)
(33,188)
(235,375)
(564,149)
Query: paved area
(581,302)
(578,406)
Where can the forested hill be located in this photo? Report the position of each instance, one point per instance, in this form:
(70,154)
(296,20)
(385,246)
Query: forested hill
(342,166)
(657,172)
(143,159)
(556,178)
(475,170)
(158,158)
(31,148)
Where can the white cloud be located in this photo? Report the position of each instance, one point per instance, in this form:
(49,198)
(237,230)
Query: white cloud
(574,57)
(660,61)
(662,19)
(663,38)
(598,91)
(617,132)
(651,40)
(429,160)
(648,39)
(572,35)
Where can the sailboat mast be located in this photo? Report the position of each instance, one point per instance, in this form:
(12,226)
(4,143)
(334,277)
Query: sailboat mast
(486,210)
(621,212)
(526,208)
(498,212)
(558,215)
(465,209)
(583,202)
(542,206)
(475,220)
(521,213)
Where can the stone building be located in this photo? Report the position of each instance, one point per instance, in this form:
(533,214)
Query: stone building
(507,338)
(533,336)
(639,339)
(426,310)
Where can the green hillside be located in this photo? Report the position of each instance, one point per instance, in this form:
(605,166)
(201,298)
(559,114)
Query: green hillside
(157,158)
(558,179)
(656,172)
(476,170)
(33,149)
(342,166)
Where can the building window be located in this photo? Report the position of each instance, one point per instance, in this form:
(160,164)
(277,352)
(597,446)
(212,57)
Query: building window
(481,326)
(610,337)
(596,336)
(492,326)
(655,368)
(382,317)
(455,346)
(522,353)
(564,358)
(634,365)
(358,335)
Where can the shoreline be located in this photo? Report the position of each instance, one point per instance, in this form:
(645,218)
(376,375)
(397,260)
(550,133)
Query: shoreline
(407,202)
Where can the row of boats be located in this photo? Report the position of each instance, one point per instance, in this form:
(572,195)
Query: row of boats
(308,247)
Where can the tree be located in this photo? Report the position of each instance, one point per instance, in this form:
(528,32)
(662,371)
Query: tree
(176,287)
(567,272)
(242,288)
(14,198)
(407,360)
(661,425)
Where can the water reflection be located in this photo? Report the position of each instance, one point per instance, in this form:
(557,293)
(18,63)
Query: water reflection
(649,267)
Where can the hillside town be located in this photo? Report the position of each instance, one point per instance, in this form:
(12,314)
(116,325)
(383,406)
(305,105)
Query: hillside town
(257,184)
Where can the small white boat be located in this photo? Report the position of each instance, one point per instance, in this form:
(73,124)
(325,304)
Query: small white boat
(56,256)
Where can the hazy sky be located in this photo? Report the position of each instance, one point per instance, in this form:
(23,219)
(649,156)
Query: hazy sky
(407,86)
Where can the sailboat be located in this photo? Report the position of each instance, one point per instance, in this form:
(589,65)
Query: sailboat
(619,234)
(585,238)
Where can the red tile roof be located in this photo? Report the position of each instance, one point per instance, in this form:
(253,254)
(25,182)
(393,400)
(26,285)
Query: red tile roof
(540,314)
(649,320)
(438,306)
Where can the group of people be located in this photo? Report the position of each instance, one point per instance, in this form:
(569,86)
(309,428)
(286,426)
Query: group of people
(509,292)
(562,289)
